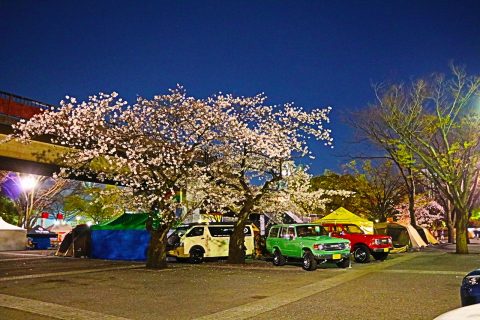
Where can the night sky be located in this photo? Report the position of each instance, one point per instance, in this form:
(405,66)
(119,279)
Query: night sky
(315,53)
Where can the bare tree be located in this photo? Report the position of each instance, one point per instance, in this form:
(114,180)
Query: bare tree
(433,121)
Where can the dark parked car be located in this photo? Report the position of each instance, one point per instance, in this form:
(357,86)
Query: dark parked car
(470,289)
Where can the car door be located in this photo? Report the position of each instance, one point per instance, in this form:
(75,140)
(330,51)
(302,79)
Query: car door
(272,239)
(219,240)
(196,237)
(291,243)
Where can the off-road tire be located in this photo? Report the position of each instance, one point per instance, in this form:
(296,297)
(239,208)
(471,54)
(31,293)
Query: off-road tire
(196,255)
(361,254)
(309,262)
(344,263)
(278,259)
(381,256)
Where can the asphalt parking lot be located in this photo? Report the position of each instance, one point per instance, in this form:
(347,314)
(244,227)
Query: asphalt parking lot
(418,285)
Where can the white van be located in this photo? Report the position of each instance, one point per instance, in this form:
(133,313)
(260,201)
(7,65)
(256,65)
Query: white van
(207,241)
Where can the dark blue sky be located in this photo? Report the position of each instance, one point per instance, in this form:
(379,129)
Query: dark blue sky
(315,53)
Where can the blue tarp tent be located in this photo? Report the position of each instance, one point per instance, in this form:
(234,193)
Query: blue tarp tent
(124,238)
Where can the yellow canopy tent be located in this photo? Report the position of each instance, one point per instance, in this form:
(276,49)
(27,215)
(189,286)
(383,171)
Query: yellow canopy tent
(342,215)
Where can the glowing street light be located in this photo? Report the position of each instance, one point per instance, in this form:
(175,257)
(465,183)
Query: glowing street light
(28,182)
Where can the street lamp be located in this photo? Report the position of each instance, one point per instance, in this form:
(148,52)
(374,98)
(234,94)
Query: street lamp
(28,182)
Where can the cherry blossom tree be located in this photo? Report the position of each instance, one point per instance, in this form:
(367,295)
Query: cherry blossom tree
(227,151)
(151,147)
(254,152)
(295,194)
(428,212)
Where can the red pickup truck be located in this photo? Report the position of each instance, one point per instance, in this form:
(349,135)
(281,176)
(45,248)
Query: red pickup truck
(362,244)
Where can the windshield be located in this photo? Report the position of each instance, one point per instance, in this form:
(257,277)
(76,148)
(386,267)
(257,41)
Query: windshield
(311,230)
(351,228)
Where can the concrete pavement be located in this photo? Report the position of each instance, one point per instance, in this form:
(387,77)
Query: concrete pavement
(419,285)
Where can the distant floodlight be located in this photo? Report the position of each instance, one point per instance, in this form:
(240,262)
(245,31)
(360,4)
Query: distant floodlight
(89,223)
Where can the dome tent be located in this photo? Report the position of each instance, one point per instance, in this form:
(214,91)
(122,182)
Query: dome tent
(402,234)
(12,237)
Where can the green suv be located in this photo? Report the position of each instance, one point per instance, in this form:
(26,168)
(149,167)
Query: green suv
(309,242)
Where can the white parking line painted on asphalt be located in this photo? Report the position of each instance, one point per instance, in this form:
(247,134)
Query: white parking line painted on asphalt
(66,273)
(24,254)
(449,273)
(52,310)
(252,309)
(22,259)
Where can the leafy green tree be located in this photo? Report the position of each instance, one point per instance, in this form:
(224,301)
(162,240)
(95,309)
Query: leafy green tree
(370,125)
(357,203)
(99,203)
(435,121)
(8,211)
(385,186)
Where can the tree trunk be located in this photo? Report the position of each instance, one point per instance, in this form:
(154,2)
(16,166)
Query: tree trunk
(236,249)
(157,249)
(451,233)
(411,198)
(461,228)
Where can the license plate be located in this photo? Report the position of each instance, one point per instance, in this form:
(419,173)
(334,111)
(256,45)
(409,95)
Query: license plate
(386,249)
(336,256)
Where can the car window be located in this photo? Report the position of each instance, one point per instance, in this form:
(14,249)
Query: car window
(284,233)
(195,232)
(220,231)
(329,228)
(291,232)
(311,230)
(351,228)
(274,232)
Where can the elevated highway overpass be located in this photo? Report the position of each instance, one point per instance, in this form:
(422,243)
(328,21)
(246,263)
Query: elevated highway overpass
(37,157)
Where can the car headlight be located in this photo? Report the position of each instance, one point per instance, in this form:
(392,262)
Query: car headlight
(472,280)
(347,245)
(318,246)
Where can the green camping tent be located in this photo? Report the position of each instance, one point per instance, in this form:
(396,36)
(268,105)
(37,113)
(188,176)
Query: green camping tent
(127,221)
(124,238)
(342,215)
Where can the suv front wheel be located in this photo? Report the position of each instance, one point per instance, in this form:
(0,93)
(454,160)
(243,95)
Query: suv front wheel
(309,262)
(361,254)
(344,263)
(380,255)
